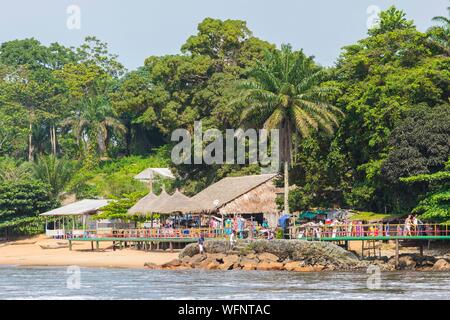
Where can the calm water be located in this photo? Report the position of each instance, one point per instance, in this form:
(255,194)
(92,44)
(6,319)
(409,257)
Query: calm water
(51,283)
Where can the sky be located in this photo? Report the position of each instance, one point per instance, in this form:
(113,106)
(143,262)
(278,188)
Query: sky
(137,29)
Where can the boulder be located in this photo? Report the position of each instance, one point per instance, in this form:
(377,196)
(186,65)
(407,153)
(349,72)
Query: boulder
(249,265)
(213,265)
(269,265)
(216,256)
(267,256)
(225,266)
(406,262)
(311,252)
(196,260)
(304,269)
(186,259)
(291,265)
(151,265)
(230,259)
(441,265)
(172,263)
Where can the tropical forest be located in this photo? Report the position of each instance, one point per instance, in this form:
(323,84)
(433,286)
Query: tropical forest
(370,133)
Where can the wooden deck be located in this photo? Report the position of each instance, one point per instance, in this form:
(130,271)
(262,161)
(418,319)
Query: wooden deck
(145,243)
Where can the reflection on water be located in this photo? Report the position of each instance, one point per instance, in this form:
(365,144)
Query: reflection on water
(51,283)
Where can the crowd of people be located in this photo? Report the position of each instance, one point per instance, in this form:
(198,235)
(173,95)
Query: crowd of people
(411,226)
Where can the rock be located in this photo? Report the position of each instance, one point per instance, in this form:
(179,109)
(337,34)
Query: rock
(225,266)
(441,265)
(263,265)
(407,263)
(249,265)
(291,265)
(213,265)
(186,259)
(311,252)
(269,265)
(231,259)
(204,264)
(172,263)
(251,255)
(151,265)
(196,260)
(216,256)
(267,256)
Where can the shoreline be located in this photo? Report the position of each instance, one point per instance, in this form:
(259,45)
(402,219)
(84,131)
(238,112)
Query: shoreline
(28,253)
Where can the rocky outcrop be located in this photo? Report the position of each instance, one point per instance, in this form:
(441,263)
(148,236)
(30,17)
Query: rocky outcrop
(291,255)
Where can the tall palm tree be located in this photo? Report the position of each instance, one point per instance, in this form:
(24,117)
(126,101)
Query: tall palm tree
(95,121)
(440,35)
(53,171)
(284,93)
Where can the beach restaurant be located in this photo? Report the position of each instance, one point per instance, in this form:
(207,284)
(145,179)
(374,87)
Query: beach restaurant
(247,198)
(250,198)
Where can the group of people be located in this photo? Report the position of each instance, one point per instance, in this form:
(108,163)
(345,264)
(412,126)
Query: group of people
(246,228)
(334,228)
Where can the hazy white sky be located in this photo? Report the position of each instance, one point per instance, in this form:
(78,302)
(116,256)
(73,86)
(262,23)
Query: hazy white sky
(136,29)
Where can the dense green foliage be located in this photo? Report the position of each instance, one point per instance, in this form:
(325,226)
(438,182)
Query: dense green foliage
(20,204)
(76,120)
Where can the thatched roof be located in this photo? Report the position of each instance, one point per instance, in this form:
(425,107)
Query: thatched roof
(144,205)
(178,202)
(148,204)
(86,206)
(228,189)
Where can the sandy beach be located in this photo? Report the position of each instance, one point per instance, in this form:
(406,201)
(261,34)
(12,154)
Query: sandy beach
(28,252)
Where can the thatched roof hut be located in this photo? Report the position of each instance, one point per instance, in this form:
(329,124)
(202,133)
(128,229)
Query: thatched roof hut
(178,202)
(144,205)
(148,204)
(243,195)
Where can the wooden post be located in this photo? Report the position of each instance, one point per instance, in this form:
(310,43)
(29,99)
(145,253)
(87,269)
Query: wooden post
(114,246)
(421,249)
(171,246)
(97,245)
(396,253)
(70,245)
(92,245)
(362,248)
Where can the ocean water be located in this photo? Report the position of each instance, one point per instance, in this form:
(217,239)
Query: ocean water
(98,283)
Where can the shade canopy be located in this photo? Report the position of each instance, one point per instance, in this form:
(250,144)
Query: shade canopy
(150,173)
(149,204)
(83,207)
(178,202)
(144,206)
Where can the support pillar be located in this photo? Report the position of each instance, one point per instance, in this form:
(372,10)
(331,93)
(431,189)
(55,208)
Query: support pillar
(396,253)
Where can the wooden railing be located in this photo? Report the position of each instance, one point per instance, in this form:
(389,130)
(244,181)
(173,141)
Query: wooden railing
(369,230)
(156,233)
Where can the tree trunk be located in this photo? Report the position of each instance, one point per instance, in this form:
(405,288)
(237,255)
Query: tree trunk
(30,143)
(286,187)
(286,158)
(53,139)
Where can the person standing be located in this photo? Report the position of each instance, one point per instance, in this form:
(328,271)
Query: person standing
(201,242)
(232,239)
(408,222)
